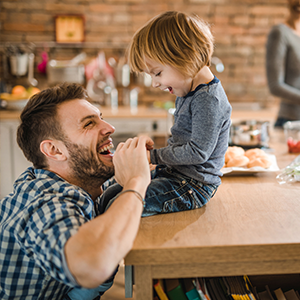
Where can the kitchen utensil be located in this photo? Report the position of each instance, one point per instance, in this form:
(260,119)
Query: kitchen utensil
(19,64)
(32,81)
(62,71)
(249,134)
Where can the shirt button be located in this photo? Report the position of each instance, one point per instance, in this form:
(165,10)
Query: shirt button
(190,191)
(183,181)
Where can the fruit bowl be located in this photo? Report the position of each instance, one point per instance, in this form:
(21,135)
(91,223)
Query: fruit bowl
(18,98)
(292,134)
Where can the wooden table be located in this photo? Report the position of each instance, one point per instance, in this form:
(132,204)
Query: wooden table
(251,226)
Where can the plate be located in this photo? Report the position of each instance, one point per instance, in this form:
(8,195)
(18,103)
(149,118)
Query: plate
(250,171)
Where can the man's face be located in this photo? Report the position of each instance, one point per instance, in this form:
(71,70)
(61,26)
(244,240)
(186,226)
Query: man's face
(88,141)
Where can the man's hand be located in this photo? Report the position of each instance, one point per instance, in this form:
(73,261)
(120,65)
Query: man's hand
(131,162)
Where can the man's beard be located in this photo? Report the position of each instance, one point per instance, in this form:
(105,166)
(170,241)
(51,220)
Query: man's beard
(86,168)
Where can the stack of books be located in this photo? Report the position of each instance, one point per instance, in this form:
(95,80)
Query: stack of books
(217,288)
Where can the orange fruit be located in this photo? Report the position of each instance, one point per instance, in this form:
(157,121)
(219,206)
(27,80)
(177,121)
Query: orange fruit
(32,91)
(18,90)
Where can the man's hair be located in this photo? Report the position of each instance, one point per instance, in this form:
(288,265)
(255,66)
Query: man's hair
(182,41)
(39,120)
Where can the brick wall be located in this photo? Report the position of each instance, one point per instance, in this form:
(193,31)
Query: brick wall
(240,28)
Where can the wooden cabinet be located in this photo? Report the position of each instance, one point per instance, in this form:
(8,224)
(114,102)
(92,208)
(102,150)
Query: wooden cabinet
(12,160)
(250,227)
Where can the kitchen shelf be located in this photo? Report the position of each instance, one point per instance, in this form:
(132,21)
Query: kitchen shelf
(51,44)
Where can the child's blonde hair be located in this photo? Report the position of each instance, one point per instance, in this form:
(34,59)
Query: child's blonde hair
(182,41)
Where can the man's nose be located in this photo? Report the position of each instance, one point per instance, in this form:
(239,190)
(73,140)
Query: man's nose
(106,128)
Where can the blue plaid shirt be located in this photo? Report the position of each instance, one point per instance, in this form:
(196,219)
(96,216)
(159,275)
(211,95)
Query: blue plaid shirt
(36,220)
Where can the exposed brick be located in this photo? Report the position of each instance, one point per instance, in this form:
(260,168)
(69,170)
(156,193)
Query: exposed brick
(3,16)
(207,1)
(40,38)
(107,8)
(241,20)
(121,18)
(17,17)
(23,27)
(41,17)
(240,29)
(61,8)
(268,10)
(232,10)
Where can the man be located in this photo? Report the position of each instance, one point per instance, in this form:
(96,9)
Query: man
(52,237)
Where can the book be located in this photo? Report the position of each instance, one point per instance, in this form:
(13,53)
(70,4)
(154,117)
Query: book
(207,295)
(264,295)
(155,297)
(269,292)
(251,291)
(291,295)
(200,288)
(174,289)
(217,288)
(190,289)
(210,290)
(279,294)
(237,287)
(158,286)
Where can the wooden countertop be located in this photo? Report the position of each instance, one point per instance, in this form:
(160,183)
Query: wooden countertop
(9,114)
(250,222)
(267,114)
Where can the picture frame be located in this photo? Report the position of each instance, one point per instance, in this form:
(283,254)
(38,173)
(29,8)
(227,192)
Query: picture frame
(69,28)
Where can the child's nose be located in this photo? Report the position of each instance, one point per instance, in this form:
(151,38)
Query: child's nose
(155,84)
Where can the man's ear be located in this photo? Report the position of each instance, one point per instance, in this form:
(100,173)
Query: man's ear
(53,150)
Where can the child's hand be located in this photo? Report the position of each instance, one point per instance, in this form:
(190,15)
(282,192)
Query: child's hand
(152,167)
(131,162)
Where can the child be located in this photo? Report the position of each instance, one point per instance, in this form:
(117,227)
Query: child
(176,49)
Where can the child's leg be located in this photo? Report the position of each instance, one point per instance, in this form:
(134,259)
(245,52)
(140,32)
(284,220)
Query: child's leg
(172,192)
(168,192)
(108,196)
(110,192)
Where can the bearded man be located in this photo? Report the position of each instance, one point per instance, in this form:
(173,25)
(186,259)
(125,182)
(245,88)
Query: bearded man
(54,240)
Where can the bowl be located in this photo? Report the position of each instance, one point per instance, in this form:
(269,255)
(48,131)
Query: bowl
(292,135)
(13,102)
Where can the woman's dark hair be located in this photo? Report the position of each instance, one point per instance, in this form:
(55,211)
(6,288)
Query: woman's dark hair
(39,120)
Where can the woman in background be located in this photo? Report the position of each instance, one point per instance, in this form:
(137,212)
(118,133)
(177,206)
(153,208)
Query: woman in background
(283,64)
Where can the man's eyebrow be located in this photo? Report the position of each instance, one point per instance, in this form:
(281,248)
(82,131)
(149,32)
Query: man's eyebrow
(89,117)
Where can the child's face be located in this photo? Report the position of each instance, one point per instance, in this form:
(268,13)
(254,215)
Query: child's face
(168,78)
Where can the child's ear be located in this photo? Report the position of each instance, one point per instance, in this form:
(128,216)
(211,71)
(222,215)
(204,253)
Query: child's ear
(53,150)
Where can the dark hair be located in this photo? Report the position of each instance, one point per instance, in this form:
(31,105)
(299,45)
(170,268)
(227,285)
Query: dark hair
(39,121)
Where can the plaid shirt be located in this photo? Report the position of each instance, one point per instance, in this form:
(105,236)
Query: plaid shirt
(36,220)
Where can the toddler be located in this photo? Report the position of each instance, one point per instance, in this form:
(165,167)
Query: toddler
(175,49)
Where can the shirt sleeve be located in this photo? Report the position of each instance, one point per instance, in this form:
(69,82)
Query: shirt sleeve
(205,128)
(276,51)
(50,225)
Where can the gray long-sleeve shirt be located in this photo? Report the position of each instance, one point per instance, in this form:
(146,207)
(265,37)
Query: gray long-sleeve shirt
(199,135)
(283,69)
